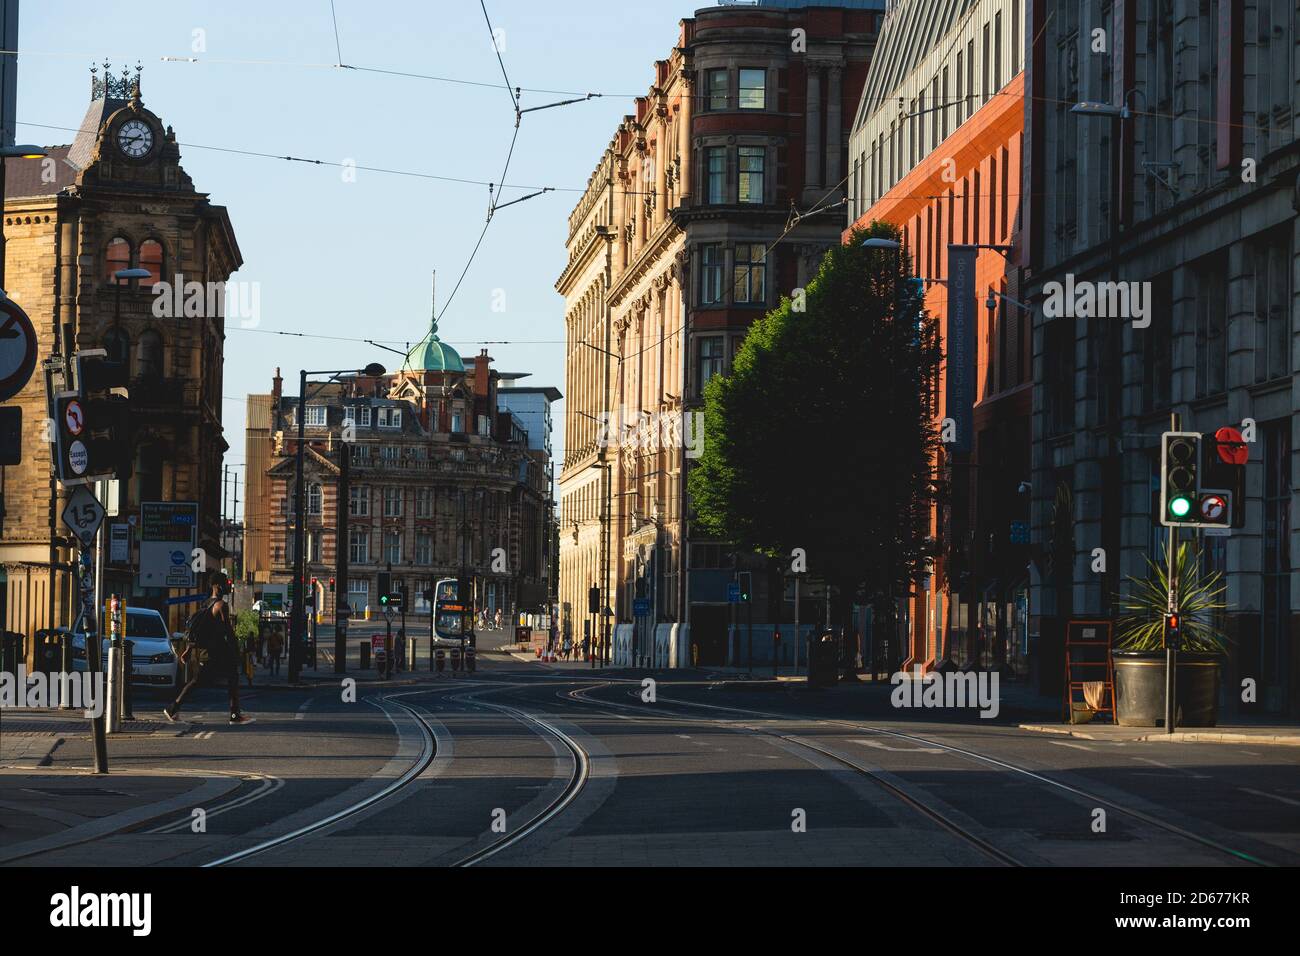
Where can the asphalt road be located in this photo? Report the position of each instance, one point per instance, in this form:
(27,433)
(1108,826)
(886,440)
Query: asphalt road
(520,764)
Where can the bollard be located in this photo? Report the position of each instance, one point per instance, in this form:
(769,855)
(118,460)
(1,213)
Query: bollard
(455,660)
(114,667)
(128,666)
(440,656)
(65,665)
(469,659)
(365,655)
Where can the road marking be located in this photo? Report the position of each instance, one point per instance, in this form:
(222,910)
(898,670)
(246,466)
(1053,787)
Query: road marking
(1271,796)
(1165,766)
(1062,743)
(1156,763)
(684,736)
(880,745)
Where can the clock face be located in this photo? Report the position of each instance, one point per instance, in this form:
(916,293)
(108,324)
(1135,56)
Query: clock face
(135,138)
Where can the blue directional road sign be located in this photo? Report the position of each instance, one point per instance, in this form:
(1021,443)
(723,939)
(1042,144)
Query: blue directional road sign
(733,593)
(641,607)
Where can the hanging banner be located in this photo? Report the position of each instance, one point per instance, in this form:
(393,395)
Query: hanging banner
(959,397)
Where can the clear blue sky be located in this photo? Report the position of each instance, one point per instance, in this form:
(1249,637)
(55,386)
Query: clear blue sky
(354,259)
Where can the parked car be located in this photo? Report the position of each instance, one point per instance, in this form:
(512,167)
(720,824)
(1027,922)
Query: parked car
(153,658)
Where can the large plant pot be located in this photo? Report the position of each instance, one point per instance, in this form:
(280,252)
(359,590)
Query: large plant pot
(1140,689)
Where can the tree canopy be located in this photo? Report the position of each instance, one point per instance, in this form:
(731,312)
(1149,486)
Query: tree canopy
(821,436)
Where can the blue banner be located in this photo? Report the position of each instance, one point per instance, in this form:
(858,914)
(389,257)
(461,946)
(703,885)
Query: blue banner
(959,396)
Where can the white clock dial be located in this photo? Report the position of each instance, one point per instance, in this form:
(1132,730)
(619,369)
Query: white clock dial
(135,138)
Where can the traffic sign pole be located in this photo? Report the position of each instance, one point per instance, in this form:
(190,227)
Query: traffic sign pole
(1171,652)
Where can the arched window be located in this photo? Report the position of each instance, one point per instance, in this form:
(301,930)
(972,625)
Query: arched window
(117,256)
(149,355)
(118,345)
(151,258)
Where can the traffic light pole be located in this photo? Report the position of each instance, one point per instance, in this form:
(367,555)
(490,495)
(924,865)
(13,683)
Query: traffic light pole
(298,629)
(343,507)
(1171,649)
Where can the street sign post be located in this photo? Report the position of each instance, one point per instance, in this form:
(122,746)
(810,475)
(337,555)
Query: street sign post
(83,514)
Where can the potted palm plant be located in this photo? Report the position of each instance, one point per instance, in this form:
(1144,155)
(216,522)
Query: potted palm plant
(1140,648)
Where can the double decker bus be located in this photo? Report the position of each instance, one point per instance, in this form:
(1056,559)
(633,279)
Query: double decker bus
(453,618)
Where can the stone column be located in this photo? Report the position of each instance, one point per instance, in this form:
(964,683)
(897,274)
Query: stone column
(812,131)
(684,137)
(834,126)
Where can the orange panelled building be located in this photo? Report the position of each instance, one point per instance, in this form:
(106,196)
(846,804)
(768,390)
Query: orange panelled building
(946,171)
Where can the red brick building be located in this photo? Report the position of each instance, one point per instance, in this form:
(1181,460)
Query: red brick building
(948,175)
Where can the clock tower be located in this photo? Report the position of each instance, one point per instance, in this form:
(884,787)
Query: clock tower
(116,198)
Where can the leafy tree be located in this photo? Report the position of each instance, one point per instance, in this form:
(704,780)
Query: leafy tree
(822,438)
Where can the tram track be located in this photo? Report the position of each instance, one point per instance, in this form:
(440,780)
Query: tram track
(935,815)
(428,753)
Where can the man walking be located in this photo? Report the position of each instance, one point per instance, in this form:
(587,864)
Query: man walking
(216,649)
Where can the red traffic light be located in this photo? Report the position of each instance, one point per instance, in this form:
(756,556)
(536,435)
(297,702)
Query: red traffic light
(1171,623)
(1231,446)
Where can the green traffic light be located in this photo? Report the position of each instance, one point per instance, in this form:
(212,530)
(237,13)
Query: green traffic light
(383,599)
(1180,506)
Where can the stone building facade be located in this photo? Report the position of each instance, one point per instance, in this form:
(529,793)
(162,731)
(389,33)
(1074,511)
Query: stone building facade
(680,242)
(116,198)
(1191,194)
(440,480)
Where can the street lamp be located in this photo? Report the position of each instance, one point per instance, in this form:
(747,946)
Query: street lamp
(1091,108)
(298,626)
(991,303)
(876,242)
(122,276)
(606,481)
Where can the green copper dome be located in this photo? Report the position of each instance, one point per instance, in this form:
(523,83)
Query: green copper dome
(431,355)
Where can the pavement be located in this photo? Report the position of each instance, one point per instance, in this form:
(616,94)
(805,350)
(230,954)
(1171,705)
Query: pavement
(1255,735)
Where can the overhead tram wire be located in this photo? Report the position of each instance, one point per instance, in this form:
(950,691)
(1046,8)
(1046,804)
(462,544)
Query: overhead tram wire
(582,95)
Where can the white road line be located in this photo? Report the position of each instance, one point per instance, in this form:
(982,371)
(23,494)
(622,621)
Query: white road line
(880,745)
(1271,796)
(1156,763)
(1062,743)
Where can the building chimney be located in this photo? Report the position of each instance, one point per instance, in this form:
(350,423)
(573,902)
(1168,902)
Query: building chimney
(482,373)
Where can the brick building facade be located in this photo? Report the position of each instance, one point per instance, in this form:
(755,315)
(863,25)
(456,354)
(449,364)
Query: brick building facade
(945,170)
(440,478)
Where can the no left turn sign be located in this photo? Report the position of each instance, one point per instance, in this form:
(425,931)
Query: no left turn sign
(75,418)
